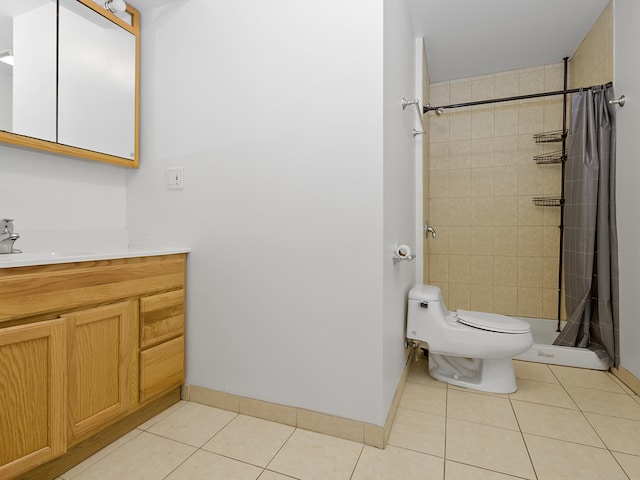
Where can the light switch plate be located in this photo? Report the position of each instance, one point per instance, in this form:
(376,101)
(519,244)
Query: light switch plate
(175,178)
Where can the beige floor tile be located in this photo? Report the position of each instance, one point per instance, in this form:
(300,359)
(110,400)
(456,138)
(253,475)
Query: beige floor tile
(419,373)
(557,460)
(193,424)
(250,440)
(605,403)
(556,422)
(619,434)
(583,377)
(538,372)
(100,455)
(393,462)
(458,471)
(315,456)
(267,475)
(544,393)
(483,409)
(621,384)
(630,464)
(146,457)
(424,398)
(488,447)
(165,413)
(562,441)
(419,431)
(478,392)
(213,467)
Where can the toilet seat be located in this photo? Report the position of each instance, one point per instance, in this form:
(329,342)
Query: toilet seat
(493,322)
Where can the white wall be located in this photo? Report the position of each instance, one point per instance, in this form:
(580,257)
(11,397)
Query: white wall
(58,203)
(62,203)
(627,82)
(399,185)
(275,111)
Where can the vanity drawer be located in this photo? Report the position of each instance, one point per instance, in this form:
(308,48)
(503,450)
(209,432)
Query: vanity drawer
(161,368)
(161,317)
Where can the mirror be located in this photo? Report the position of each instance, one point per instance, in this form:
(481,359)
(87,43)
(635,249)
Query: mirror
(28,86)
(96,93)
(79,95)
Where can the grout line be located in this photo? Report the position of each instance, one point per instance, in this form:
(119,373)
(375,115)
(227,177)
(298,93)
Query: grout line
(447,389)
(180,464)
(173,440)
(526,446)
(277,473)
(621,467)
(281,447)
(509,475)
(416,451)
(63,477)
(188,444)
(162,415)
(355,466)
(232,458)
(582,412)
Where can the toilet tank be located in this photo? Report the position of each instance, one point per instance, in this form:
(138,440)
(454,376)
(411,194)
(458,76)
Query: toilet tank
(425,311)
(429,293)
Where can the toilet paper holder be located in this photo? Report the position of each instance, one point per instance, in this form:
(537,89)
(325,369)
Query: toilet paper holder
(403,252)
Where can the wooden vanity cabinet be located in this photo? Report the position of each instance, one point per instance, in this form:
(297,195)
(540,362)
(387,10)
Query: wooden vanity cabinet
(101,366)
(32,395)
(88,351)
(161,343)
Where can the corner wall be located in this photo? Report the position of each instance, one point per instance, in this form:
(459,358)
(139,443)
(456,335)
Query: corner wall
(627,82)
(399,187)
(275,112)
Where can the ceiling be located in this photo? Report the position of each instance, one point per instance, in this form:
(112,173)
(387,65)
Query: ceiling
(465,38)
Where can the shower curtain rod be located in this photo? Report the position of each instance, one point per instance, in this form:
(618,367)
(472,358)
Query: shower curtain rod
(439,109)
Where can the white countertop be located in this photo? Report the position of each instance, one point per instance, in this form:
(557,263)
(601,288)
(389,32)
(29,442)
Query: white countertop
(45,258)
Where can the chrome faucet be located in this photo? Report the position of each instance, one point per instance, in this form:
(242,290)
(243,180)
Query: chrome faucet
(7,236)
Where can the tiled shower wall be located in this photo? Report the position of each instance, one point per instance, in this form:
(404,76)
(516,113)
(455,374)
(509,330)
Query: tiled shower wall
(495,251)
(592,63)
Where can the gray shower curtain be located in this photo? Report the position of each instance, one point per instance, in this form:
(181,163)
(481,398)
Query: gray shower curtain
(590,238)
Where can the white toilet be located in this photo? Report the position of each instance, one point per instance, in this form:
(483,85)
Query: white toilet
(468,349)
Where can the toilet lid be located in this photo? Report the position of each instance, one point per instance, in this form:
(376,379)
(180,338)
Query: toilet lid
(493,322)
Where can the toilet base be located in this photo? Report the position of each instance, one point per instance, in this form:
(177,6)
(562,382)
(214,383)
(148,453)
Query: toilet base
(486,374)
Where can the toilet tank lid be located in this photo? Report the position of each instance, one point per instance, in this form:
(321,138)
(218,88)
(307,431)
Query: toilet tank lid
(425,292)
(493,322)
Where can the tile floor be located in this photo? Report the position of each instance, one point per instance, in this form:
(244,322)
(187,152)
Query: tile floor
(562,423)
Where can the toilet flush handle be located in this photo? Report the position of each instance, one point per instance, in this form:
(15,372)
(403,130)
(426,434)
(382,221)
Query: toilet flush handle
(429,230)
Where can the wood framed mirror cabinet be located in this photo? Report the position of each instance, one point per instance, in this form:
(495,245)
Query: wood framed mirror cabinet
(69,79)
